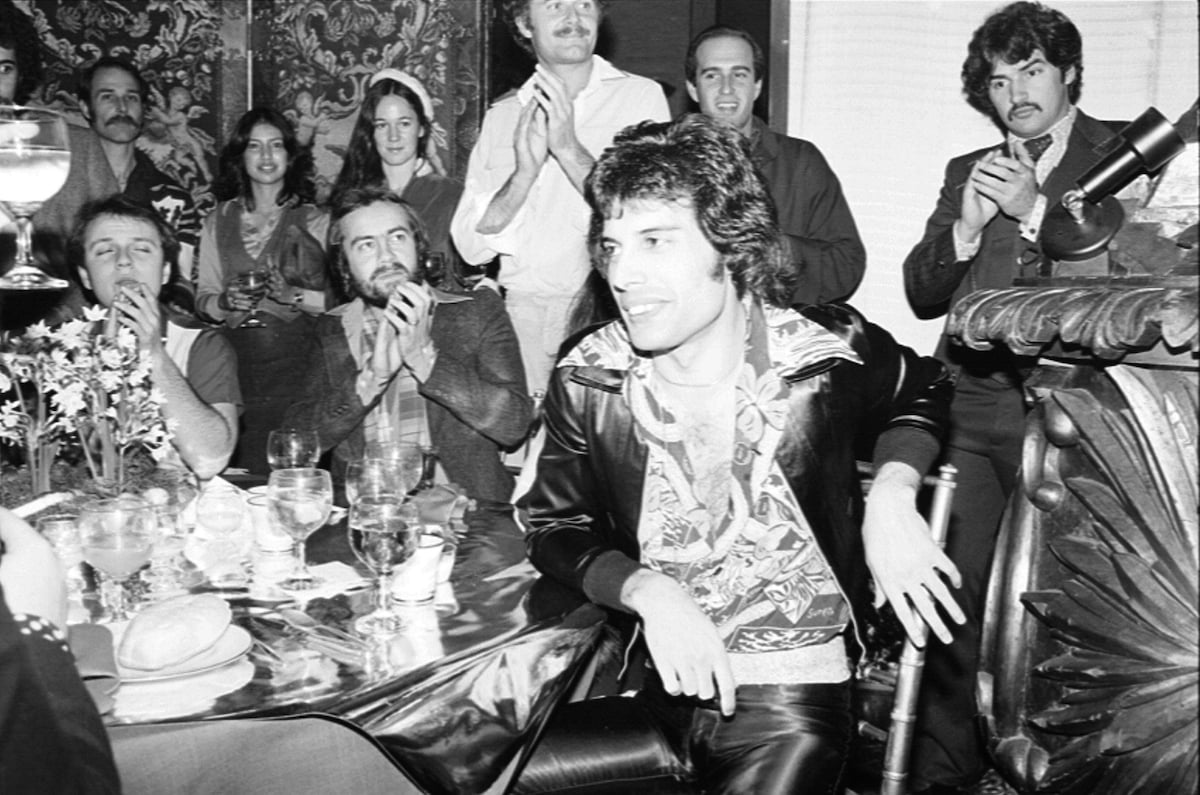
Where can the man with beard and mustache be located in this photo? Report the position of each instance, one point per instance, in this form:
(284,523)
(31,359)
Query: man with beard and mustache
(523,198)
(105,160)
(1024,70)
(405,361)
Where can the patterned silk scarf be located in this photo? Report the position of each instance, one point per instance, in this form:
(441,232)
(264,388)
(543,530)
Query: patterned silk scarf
(756,570)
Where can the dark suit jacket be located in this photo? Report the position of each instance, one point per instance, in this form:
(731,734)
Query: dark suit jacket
(934,280)
(475,396)
(813,216)
(932,277)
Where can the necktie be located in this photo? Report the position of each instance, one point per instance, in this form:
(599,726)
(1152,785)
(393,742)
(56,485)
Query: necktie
(1036,147)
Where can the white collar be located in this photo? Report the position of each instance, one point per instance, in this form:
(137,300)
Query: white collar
(601,70)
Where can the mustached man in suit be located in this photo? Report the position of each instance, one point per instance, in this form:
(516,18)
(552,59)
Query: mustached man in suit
(1024,70)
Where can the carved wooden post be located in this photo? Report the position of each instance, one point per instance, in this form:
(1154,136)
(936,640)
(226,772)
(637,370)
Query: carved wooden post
(1088,670)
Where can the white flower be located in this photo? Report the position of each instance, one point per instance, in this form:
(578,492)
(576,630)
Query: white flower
(110,357)
(94,313)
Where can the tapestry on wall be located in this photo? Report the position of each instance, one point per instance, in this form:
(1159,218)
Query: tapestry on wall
(177,46)
(310,58)
(315,58)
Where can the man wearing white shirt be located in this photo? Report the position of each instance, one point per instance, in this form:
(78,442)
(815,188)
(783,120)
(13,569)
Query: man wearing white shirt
(523,199)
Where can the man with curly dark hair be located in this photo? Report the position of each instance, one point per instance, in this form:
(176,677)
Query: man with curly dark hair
(1024,71)
(20,56)
(522,201)
(699,474)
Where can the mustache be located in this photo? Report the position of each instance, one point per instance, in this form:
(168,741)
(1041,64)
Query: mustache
(121,118)
(572,29)
(1013,110)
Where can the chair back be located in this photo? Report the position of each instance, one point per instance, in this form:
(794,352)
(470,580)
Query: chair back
(912,658)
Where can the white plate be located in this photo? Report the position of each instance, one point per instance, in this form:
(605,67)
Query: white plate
(233,644)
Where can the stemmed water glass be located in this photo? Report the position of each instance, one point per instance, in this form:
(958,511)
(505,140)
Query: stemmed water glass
(382,531)
(254,283)
(299,501)
(62,531)
(164,576)
(293,448)
(117,536)
(408,458)
(220,510)
(35,156)
(374,477)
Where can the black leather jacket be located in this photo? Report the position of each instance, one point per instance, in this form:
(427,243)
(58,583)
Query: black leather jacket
(582,512)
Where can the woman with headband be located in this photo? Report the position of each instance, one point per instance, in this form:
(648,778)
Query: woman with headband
(392,145)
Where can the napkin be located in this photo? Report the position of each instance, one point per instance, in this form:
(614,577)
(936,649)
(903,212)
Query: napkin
(336,577)
(93,647)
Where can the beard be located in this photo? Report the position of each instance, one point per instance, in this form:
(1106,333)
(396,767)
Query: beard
(377,288)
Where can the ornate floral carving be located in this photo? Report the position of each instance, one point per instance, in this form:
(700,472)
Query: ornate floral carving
(1105,555)
(1106,321)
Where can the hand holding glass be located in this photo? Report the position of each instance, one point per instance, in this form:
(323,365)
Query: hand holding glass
(254,285)
(299,501)
(117,536)
(382,532)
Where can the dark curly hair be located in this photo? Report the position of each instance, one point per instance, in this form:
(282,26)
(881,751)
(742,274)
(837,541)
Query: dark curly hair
(18,34)
(1012,34)
(362,165)
(513,10)
(234,181)
(355,199)
(707,166)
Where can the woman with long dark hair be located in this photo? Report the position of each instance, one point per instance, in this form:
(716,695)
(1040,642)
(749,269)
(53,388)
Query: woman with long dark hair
(261,269)
(391,145)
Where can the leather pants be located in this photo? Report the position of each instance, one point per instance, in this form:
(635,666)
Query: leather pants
(781,739)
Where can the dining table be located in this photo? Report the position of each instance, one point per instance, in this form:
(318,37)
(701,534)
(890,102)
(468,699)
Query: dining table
(457,696)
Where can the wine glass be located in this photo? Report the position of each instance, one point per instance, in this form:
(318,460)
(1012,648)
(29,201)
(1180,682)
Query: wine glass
(35,156)
(293,448)
(382,532)
(255,283)
(62,531)
(117,536)
(408,458)
(373,477)
(169,540)
(299,501)
(220,509)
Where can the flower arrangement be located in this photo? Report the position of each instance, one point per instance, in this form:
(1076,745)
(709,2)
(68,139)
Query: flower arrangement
(74,387)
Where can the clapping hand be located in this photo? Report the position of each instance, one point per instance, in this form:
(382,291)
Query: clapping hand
(529,140)
(550,94)
(406,340)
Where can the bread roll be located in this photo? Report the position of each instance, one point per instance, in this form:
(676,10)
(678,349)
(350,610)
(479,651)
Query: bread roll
(173,631)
